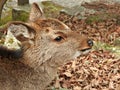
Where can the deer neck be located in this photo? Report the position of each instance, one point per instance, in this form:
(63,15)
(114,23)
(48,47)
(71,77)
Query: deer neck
(43,72)
(39,62)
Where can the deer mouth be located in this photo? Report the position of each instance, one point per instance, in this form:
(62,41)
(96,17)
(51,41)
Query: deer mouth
(85,51)
(81,52)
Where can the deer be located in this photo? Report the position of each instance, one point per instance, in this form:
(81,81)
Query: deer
(44,45)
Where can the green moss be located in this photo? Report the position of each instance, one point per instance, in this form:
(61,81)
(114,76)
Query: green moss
(118,19)
(117,42)
(21,16)
(100,17)
(96,18)
(105,46)
(6,18)
(52,5)
(51,9)
(2,38)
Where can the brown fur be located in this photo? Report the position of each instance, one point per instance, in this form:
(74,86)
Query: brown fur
(43,52)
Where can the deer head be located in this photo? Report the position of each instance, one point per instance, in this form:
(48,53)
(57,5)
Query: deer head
(47,40)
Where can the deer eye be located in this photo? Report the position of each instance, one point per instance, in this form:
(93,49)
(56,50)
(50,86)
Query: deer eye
(58,39)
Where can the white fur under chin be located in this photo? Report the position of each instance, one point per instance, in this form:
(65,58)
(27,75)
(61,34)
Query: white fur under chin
(78,53)
(86,51)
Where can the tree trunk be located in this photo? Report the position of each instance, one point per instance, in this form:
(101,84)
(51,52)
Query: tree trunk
(23,2)
(2,2)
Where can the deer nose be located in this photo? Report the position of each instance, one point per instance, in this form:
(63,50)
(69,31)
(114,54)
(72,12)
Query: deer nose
(90,42)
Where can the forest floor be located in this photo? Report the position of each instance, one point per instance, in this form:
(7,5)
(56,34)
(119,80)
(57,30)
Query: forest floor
(100,69)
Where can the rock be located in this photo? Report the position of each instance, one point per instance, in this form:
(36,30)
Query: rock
(71,3)
(78,10)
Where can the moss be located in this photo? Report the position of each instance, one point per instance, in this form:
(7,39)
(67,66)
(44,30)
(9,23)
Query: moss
(52,5)
(21,16)
(96,18)
(117,42)
(51,9)
(105,46)
(6,18)
(2,38)
(100,17)
(118,20)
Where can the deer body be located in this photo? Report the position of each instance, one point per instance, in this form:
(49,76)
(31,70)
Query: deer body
(17,76)
(46,44)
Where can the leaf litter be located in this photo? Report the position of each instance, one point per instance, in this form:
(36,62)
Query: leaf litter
(97,71)
(100,69)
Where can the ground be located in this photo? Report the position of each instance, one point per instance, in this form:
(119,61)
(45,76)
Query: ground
(100,69)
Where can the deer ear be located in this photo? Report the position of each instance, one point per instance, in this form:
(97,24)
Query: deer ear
(22,32)
(36,12)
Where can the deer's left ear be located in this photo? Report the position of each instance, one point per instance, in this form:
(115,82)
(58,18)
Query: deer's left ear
(36,12)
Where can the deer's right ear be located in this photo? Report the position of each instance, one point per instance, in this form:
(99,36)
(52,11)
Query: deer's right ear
(36,12)
(22,32)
